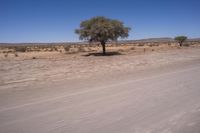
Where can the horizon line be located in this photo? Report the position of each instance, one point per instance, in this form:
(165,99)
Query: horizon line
(196,38)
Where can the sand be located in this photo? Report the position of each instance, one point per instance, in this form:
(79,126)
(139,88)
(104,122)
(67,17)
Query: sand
(55,66)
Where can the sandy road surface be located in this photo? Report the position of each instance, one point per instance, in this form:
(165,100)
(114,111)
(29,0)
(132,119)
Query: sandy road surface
(162,99)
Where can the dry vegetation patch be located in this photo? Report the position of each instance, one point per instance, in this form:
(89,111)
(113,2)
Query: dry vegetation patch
(45,51)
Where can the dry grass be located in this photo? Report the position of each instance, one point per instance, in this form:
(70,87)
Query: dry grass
(58,66)
(45,51)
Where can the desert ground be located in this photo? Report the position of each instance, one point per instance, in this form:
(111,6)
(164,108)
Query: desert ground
(138,90)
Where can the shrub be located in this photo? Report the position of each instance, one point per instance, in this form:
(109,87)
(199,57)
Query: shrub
(67,48)
(141,44)
(16,55)
(132,48)
(20,49)
(6,55)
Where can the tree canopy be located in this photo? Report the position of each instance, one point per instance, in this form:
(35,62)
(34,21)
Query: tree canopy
(102,29)
(180,39)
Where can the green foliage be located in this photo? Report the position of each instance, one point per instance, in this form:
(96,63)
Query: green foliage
(180,39)
(101,29)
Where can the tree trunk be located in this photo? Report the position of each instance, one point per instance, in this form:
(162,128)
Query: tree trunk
(181,44)
(103,44)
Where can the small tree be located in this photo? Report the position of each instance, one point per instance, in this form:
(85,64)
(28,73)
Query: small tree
(180,39)
(101,29)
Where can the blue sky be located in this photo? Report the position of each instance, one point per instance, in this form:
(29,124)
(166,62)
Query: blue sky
(56,20)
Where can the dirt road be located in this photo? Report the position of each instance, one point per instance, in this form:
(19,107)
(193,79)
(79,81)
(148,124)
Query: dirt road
(162,99)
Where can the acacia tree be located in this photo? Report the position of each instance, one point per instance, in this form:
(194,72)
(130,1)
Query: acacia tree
(102,29)
(180,39)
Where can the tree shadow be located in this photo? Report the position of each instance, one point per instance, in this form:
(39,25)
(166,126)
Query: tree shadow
(101,54)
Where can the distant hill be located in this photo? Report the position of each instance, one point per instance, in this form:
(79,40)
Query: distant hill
(163,39)
(194,39)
